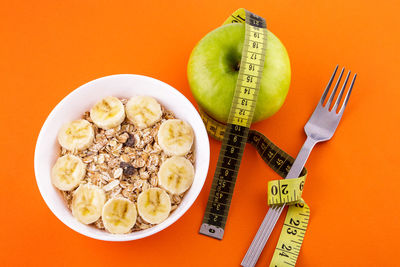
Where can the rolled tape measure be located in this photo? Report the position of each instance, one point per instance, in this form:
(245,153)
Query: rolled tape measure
(236,133)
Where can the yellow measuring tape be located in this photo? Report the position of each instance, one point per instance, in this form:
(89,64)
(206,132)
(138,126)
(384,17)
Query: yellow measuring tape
(280,192)
(239,121)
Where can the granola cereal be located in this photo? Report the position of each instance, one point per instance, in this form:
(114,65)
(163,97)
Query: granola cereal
(124,161)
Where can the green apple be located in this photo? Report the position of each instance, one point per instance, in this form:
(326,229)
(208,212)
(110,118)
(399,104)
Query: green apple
(214,66)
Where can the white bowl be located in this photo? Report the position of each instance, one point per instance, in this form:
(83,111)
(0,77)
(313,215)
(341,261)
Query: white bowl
(82,99)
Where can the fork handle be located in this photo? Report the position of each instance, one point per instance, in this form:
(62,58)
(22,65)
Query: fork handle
(301,158)
(268,224)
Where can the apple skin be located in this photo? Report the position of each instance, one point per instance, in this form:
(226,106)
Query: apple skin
(212,72)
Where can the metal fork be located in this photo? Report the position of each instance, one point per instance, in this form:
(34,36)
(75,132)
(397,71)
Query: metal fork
(320,127)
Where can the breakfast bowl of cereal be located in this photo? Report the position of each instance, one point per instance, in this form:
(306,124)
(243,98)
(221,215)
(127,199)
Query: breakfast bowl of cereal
(121,157)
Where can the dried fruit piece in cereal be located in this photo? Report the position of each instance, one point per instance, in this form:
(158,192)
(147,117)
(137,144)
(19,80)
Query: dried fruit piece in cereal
(130,142)
(127,168)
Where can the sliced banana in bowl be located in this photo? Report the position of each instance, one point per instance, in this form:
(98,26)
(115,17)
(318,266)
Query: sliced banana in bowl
(76,135)
(108,113)
(175,137)
(68,172)
(143,111)
(87,203)
(154,205)
(119,215)
(100,143)
(176,175)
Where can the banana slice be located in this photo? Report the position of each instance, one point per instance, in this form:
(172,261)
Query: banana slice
(108,113)
(154,205)
(76,135)
(175,137)
(176,175)
(68,172)
(143,111)
(87,203)
(119,215)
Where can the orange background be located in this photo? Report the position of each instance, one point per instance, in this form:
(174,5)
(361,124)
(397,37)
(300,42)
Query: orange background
(49,48)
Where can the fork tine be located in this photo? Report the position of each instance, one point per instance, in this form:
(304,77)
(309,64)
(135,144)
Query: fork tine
(329,102)
(348,94)
(328,86)
(341,92)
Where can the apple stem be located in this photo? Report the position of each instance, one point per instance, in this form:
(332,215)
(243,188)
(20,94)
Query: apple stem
(237,66)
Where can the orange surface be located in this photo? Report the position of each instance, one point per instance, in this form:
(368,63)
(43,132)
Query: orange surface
(49,48)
